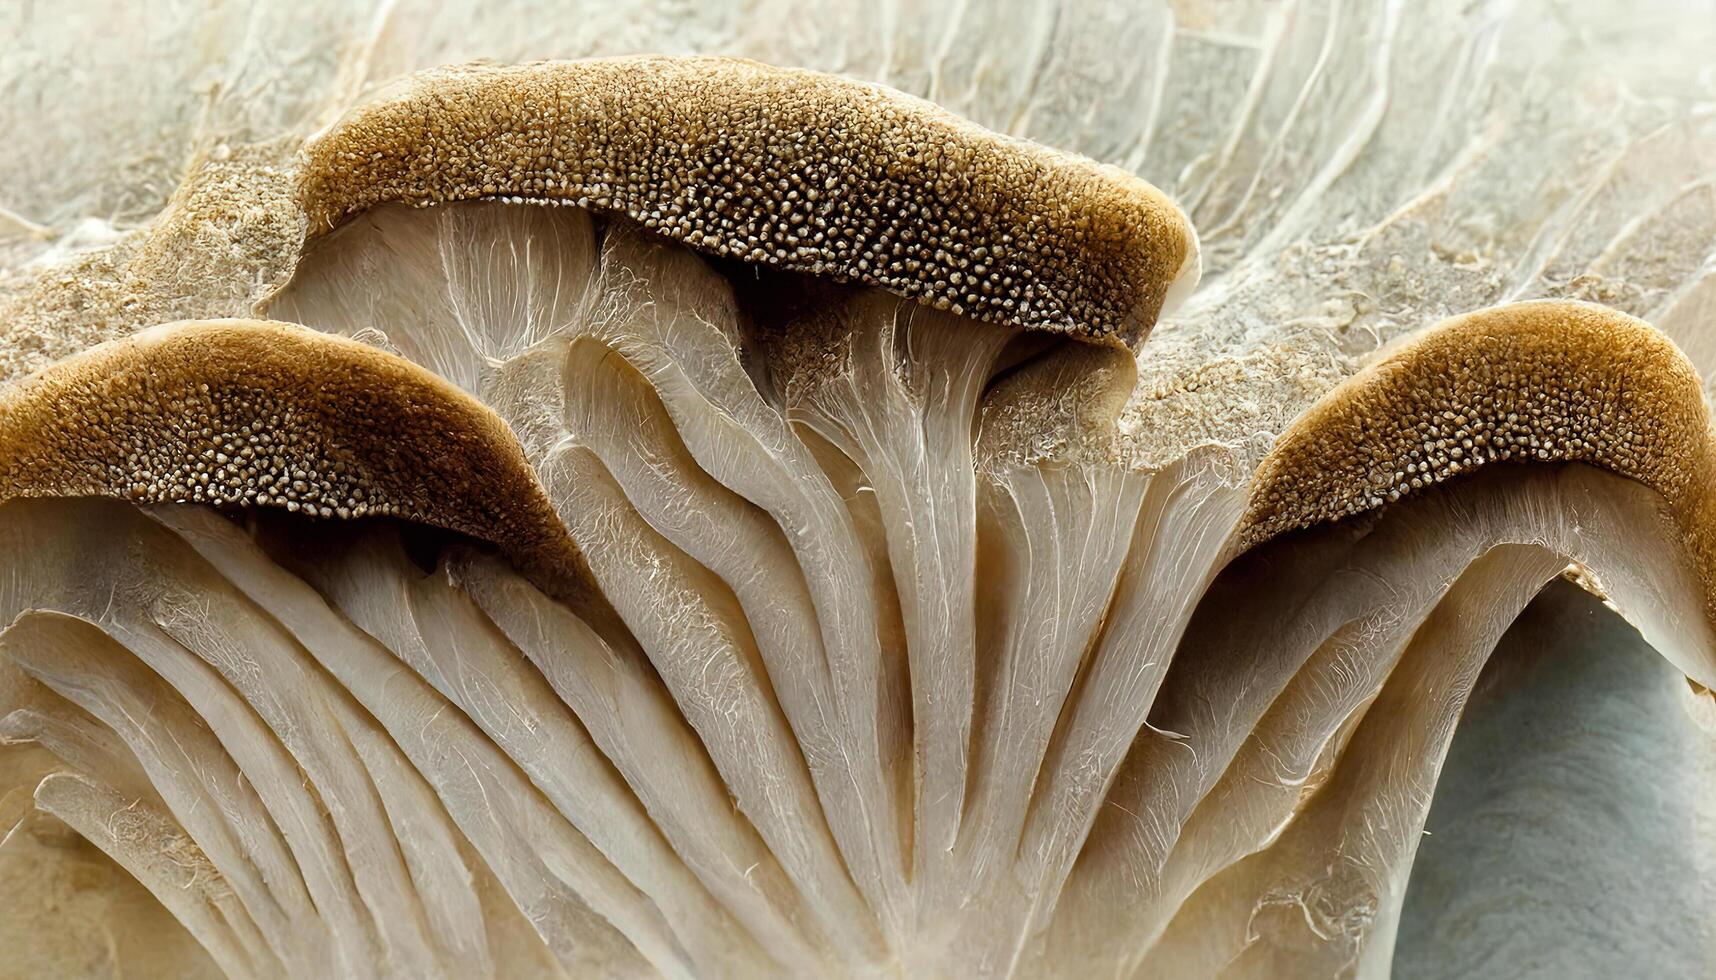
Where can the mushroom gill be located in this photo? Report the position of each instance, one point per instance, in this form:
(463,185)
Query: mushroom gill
(755,564)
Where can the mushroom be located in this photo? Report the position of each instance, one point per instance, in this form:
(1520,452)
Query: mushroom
(687,517)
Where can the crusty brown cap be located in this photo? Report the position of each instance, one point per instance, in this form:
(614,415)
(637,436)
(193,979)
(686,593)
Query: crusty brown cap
(272,414)
(1541,381)
(808,172)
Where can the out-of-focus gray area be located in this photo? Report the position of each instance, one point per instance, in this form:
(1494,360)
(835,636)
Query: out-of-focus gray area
(1573,830)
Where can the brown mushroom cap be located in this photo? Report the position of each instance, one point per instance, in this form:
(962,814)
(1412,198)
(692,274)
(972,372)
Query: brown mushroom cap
(261,413)
(796,169)
(1545,381)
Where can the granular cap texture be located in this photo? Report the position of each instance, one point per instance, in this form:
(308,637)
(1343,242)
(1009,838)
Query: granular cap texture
(795,169)
(270,414)
(1531,382)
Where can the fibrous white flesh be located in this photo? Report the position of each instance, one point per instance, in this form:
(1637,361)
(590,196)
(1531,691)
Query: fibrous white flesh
(85,912)
(138,604)
(671,319)
(1264,704)
(840,552)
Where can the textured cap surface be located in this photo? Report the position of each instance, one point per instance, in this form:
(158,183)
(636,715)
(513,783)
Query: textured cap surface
(1544,381)
(804,171)
(271,414)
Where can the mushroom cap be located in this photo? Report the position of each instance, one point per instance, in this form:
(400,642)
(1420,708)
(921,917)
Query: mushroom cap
(1543,381)
(795,169)
(251,412)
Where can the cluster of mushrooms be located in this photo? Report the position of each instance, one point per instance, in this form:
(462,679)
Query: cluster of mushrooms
(683,517)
